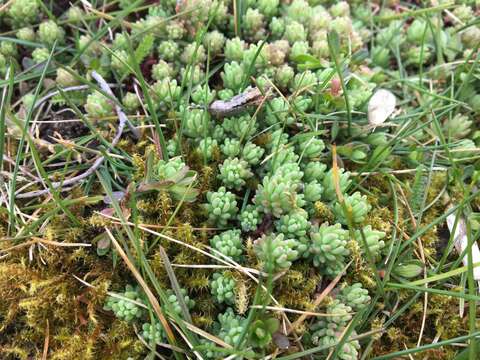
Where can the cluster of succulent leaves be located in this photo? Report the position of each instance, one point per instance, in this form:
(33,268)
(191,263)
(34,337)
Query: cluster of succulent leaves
(275,201)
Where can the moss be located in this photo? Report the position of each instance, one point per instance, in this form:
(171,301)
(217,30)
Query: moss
(323,212)
(32,293)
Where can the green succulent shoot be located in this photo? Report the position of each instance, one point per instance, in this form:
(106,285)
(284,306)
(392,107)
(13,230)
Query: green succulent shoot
(250,218)
(371,238)
(329,248)
(153,333)
(223,287)
(355,207)
(175,304)
(128,305)
(277,196)
(229,243)
(98,105)
(234,172)
(252,153)
(355,296)
(295,226)
(221,206)
(275,253)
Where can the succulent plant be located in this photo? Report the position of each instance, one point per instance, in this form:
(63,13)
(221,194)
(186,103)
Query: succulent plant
(223,288)
(214,41)
(49,32)
(373,239)
(277,27)
(268,8)
(328,183)
(175,304)
(255,57)
(284,75)
(168,50)
(131,102)
(275,253)
(166,92)
(75,14)
(24,11)
(341,314)
(356,206)
(162,70)
(196,123)
(207,147)
(312,191)
(310,147)
(231,327)
(304,81)
(233,75)
(253,21)
(250,218)
(193,75)
(234,49)
(276,195)
(242,127)
(26,34)
(355,296)
(167,169)
(221,206)
(295,31)
(252,153)
(65,78)
(329,248)
(299,48)
(98,105)
(313,170)
(457,127)
(234,172)
(231,147)
(153,332)
(126,306)
(327,334)
(203,94)
(296,226)
(193,54)
(229,243)
(40,55)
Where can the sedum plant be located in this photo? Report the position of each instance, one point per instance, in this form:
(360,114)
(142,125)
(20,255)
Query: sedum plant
(276,195)
(329,248)
(98,105)
(250,218)
(153,332)
(223,288)
(221,206)
(127,306)
(373,239)
(229,243)
(355,206)
(234,172)
(276,253)
(173,300)
(295,226)
(328,183)
(355,296)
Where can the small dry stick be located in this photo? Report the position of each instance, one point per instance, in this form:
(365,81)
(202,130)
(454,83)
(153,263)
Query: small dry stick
(121,125)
